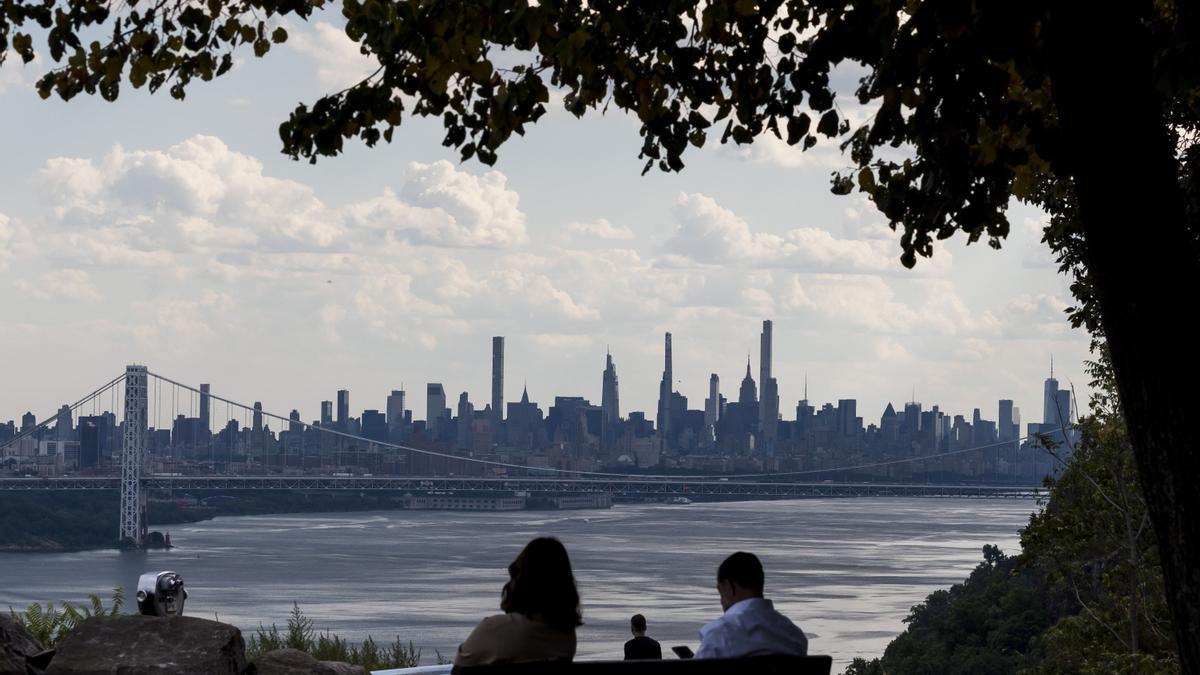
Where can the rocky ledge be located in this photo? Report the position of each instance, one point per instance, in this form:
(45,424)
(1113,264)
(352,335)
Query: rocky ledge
(135,644)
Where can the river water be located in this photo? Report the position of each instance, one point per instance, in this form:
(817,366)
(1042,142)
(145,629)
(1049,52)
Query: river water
(845,570)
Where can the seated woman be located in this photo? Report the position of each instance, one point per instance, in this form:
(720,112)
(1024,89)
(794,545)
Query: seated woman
(541,611)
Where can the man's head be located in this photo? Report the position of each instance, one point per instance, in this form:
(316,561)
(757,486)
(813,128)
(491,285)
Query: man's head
(637,625)
(739,578)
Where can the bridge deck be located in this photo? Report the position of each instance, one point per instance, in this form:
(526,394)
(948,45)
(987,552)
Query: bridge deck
(631,487)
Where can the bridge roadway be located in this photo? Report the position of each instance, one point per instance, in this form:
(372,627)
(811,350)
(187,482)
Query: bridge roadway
(708,488)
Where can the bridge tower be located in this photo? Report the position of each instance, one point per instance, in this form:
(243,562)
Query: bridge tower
(133,502)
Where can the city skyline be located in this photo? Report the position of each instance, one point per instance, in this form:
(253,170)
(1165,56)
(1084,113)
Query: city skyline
(340,408)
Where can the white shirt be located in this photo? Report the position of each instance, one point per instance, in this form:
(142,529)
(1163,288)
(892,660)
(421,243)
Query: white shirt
(751,627)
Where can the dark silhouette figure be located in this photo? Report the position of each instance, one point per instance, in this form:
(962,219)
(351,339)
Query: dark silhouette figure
(641,647)
(750,625)
(541,611)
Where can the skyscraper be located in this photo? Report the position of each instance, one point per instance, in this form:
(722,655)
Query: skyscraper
(609,396)
(712,404)
(1050,401)
(395,412)
(1007,429)
(768,409)
(465,413)
(664,395)
(343,410)
(1065,407)
(435,404)
(257,430)
(748,392)
(205,414)
(326,413)
(63,426)
(497,383)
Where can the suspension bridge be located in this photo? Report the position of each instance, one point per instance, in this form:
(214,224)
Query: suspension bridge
(135,482)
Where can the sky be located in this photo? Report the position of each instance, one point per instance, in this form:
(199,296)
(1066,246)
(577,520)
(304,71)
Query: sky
(176,235)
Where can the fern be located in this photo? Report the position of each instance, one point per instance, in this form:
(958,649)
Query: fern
(49,625)
(326,646)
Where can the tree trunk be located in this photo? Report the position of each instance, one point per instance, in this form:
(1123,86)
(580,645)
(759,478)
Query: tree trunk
(1144,266)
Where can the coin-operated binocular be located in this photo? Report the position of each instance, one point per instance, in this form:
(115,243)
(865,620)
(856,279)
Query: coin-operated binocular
(161,594)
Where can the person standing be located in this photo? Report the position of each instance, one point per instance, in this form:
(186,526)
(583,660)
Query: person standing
(750,625)
(641,647)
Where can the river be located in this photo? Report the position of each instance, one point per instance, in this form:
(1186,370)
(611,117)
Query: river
(845,570)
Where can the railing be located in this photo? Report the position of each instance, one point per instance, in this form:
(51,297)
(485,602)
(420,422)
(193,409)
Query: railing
(419,670)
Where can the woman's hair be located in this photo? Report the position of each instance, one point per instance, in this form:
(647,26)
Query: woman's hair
(541,585)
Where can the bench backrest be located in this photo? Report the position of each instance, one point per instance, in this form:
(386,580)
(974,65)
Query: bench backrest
(758,665)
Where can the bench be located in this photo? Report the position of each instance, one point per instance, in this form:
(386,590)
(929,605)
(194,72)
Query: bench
(754,665)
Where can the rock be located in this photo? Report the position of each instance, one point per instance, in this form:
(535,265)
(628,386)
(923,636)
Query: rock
(17,645)
(296,662)
(136,644)
(340,668)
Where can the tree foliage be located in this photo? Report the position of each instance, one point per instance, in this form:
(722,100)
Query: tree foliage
(1084,595)
(961,88)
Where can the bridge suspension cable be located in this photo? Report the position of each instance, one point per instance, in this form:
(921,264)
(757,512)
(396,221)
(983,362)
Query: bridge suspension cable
(598,474)
(112,384)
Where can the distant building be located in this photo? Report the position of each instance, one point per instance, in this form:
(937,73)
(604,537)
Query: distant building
(395,414)
(466,411)
(374,426)
(768,407)
(610,400)
(343,410)
(497,407)
(665,387)
(205,413)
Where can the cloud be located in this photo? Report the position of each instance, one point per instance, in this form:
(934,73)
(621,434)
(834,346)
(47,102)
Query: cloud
(16,75)
(10,238)
(1034,253)
(339,61)
(442,206)
(710,233)
(69,284)
(562,341)
(601,229)
(209,246)
(1032,315)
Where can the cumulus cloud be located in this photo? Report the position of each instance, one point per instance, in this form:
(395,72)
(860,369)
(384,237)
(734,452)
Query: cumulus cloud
(208,245)
(601,229)
(710,233)
(147,207)
(339,61)
(440,205)
(1040,314)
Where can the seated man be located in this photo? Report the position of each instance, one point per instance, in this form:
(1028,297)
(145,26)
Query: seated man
(641,647)
(750,626)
